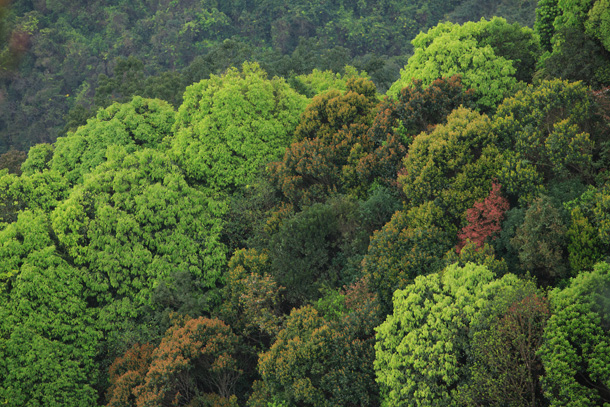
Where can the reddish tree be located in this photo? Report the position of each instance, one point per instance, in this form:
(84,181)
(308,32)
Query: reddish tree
(192,360)
(484,219)
(128,372)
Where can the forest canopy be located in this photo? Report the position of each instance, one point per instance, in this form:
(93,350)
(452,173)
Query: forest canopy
(265,204)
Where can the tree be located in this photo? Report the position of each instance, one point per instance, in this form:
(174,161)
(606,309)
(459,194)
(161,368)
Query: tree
(433,346)
(12,161)
(575,29)
(38,191)
(576,348)
(141,123)
(331,130)
(416,109)
(421,348)
(484,219)
(454,164)
(194,358)
(546,13)
(312,249)
(252,297)
(409,245)
(127,373)
(133,224)
(541,241)
(478,52)
(556,126)
(324,360)
(48,341)
(506,369)
(230,126)
(318,82)
(589,229)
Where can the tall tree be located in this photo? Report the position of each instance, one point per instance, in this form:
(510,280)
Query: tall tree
(576,348)
(229,126)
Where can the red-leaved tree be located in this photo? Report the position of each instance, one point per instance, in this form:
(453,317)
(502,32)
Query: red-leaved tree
(484,219)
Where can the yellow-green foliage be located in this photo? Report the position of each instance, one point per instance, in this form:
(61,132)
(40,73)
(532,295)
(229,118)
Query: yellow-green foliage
(576,350)
(230,126)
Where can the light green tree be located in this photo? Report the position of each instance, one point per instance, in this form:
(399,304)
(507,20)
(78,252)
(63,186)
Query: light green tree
(576,348)
(421,347)
(47,339)
(141,123)
(134,223)
(425,354)
(231,125)
(486,54)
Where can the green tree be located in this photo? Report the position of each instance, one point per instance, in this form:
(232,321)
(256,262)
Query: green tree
(141,123)
(454,164)
(580,44)
(48,342)
(541,242)
(427,350)
(311,250)
(589,228)
(556,126)
(409,245)
(421,348)
(230,126)
(477,51)
(576,348)
(324,360)
(506,369)
(133,224)
(546,13)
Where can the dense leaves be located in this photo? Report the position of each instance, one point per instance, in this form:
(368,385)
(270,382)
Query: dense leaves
(470,211)
(576,349)
(230,126)
(490,56)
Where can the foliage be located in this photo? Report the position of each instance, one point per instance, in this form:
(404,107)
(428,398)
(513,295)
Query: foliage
(506,368)
(47,339)
(484,219)
(546,13)
(541,241)
(41,190)
(484,255)
(406,247)
(127,373)
(133,223)
(229,126)
(425,354)
(318,82)
(252,297)
(518,11)
(555,126)
(588,231)
(194,358)
(318,361)
(575,29)
(478,52)
(12,161)
(141,123)
(421,348)
(332,128)
(454,164)
(576,348)
(312,249)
